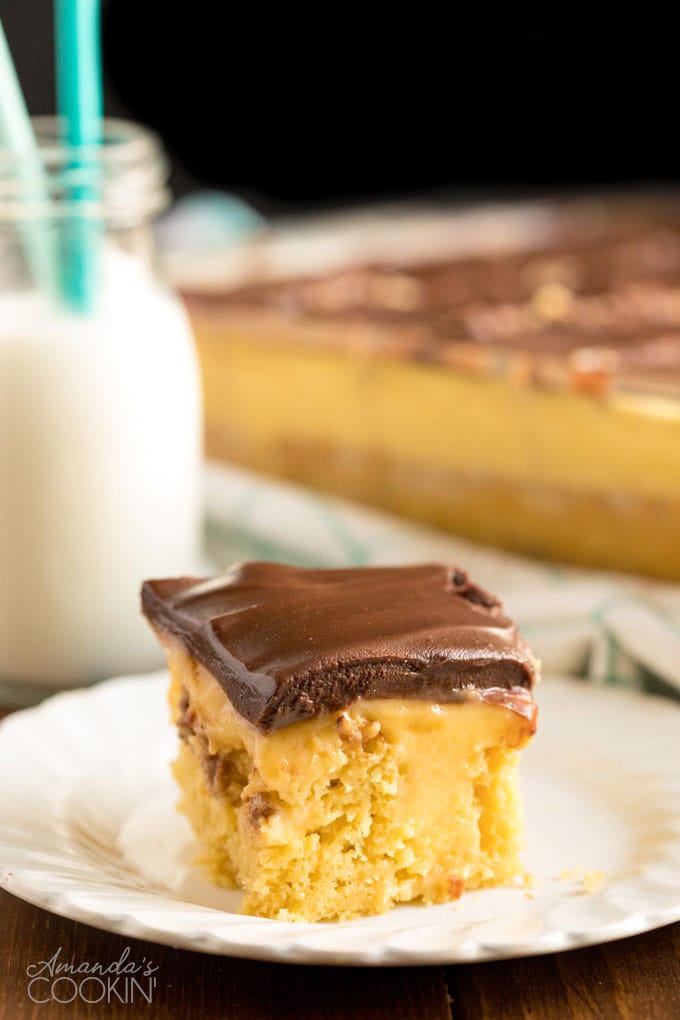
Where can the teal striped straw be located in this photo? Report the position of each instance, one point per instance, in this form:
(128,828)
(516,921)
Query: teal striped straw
(80,105)
(26,165)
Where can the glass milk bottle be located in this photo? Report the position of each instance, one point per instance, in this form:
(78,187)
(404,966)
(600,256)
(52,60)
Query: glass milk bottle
(100,418)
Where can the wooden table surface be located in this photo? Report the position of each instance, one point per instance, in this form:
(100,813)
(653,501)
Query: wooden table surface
(632,979)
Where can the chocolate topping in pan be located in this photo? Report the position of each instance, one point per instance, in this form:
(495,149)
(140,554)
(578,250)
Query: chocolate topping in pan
(608,291)
(287,643)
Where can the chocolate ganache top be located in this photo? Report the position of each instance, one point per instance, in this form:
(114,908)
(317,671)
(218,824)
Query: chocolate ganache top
(288,643)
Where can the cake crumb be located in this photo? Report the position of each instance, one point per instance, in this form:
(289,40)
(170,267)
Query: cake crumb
(593,879)
(357,730)
(371,730)
(456,886)
(348,729)
(260,807)
(524,880)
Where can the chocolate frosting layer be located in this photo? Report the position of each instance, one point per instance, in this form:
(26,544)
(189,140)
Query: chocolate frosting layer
(288,643)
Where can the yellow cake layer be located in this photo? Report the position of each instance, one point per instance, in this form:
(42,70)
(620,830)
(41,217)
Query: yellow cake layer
(593,480)
(353,812)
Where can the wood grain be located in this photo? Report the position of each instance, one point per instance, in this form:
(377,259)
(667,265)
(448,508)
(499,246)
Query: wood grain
(634,979)
(196,986)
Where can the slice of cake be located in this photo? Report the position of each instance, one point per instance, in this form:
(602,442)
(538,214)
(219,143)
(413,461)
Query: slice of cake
(349,737)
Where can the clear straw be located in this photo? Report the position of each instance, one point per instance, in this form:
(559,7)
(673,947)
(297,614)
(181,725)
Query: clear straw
(18,138)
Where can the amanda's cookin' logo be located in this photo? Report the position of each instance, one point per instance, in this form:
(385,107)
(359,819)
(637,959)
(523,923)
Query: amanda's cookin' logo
(123,980)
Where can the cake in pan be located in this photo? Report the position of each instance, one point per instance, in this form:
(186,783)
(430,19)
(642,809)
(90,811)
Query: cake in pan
(514,378)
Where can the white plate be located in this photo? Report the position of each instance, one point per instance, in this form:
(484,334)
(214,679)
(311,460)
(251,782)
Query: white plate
(88,830)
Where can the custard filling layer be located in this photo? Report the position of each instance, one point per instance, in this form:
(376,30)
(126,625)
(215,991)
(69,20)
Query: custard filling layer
(275,392)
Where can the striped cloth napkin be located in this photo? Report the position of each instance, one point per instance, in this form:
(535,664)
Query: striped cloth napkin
(608,628)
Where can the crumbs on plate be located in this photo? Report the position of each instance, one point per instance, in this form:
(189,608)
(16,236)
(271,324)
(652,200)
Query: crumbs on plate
(593,879)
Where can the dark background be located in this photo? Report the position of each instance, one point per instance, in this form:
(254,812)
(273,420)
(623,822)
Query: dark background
(296,111)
